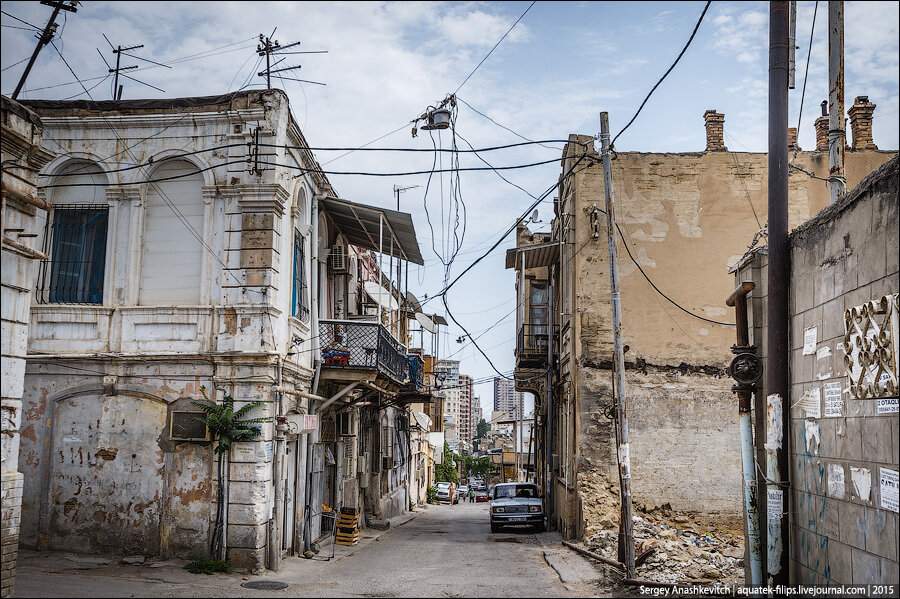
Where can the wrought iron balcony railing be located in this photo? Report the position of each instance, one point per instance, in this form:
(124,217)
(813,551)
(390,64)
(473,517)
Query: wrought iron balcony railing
(353,344)
(532,342)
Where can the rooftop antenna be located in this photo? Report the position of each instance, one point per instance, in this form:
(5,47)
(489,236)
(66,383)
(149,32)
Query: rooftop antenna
(119,51)
(268,47)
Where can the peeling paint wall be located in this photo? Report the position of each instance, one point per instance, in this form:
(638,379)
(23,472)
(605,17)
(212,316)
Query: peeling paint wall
(843,531)
(686,219)
(22,157)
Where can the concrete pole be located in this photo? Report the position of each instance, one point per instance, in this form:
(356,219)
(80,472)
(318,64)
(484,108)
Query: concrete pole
(777,309)
(837,135)
(621,406)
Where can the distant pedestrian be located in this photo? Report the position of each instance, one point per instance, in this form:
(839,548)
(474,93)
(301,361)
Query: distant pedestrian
(471,495)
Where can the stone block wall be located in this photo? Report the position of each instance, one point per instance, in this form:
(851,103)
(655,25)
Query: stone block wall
(22,156)
(844,257)
(841,533)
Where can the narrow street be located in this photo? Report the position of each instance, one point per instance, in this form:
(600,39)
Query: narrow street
(444,551)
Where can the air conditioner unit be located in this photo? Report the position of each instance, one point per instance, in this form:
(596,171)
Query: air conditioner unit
(339,263)
(346,425)
(188,426)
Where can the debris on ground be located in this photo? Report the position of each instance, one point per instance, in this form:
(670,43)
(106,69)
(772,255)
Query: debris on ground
(686,549)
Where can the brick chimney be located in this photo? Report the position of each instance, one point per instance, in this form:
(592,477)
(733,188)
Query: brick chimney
(715,131)
(792,139)
(861,123)
(822,129)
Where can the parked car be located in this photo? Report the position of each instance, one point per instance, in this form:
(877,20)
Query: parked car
(462,493)
(515,504)
(481,496)
(445,492)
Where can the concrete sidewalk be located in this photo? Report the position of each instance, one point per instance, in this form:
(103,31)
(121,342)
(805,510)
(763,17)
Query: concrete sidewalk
(64,574)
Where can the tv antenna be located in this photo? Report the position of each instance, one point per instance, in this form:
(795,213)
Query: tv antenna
(268,47)
(119,51)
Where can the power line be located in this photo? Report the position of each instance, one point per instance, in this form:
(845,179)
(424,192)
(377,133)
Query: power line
(34,27)
(666,74)
(495,47)
(476,111)
(422,150)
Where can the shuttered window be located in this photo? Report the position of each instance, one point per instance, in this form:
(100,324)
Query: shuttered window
(171,251)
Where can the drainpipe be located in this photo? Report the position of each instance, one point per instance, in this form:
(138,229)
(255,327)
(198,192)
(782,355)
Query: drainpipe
(746,369)
(317,362)
(778,353)
(275,529)
(548,424)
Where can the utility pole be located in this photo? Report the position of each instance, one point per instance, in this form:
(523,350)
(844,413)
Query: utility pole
(837,135)
(45,38)
(777,380)
(619,358)
(117,91)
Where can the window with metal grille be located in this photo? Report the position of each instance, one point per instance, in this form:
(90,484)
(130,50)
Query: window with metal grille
(300,300)
(75,272)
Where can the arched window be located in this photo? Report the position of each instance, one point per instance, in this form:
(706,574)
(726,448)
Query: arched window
(75,238)
(171,251)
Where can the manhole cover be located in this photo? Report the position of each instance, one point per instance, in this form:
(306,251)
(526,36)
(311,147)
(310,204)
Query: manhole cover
(265,585)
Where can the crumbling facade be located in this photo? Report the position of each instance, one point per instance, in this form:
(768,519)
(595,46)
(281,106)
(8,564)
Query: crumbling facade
(214,257)
(843,439)
(683,219)
(22,213)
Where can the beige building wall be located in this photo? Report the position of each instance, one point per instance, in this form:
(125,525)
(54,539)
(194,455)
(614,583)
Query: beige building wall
(686,219)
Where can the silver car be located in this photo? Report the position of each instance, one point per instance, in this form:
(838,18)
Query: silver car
(516,504)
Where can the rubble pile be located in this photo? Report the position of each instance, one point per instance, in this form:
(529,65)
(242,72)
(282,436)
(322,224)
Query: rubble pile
(681,553)
(602,511)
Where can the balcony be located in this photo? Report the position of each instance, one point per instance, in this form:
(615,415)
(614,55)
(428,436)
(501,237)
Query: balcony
(531,346)
(367,346)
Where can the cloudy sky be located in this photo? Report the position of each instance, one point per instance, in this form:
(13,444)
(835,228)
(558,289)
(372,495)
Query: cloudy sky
(387,61)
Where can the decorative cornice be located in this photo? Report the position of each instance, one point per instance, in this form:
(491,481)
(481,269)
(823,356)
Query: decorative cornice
(123,193)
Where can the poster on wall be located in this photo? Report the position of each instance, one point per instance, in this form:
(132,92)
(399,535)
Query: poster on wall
(890,485)
(834,401)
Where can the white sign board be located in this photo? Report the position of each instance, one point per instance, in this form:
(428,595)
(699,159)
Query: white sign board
(834,400)
(810,337)
(811,402)
(774,504)
(889,489)
(888,405)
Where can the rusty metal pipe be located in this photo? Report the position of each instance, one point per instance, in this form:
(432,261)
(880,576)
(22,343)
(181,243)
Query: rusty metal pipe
(609,562)
(738,300)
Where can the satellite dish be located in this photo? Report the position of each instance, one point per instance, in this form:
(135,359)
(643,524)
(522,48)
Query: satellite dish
(426,323)
(534,215)
(374,290)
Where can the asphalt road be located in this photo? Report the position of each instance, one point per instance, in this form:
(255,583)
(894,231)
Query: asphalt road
(446,551)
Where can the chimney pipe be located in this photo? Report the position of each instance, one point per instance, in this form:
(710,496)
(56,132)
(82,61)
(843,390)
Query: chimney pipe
(861,123)
(792,139)
(715,131)
(822,129)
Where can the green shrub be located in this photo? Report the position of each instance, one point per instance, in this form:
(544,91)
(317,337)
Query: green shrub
(432,495)
(205,565)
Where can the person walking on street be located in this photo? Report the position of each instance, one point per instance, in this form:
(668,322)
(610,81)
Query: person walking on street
(471,495)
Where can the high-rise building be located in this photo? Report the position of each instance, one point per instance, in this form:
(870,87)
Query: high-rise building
(476,414)
(466,427)
(447,375)
(506,398)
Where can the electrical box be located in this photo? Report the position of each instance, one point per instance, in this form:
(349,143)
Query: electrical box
(187,426)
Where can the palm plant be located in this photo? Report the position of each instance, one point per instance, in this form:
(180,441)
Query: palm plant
(226,426)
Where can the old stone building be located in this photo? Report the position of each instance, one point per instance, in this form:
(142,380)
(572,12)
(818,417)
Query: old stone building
(684,219)
(195,244)
(23,156)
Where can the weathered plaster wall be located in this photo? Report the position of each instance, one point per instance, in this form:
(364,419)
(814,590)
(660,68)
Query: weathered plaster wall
(21,147)
(840,533)
(686,219)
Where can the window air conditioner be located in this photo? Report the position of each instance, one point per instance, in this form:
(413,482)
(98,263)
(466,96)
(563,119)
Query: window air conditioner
(339,262)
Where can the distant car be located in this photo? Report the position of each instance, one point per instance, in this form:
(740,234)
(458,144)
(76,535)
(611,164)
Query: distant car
(445,492)
(462,492)
(481,496)
(516,504)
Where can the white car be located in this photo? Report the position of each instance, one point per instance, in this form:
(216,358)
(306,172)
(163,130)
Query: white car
(462,492)
(444,492)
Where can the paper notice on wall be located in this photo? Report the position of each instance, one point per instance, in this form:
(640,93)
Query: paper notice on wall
(834,400)
(836,487)
(810,337)
(888,405)
(774,504)
(811,402)
(824,368)
(890,485)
